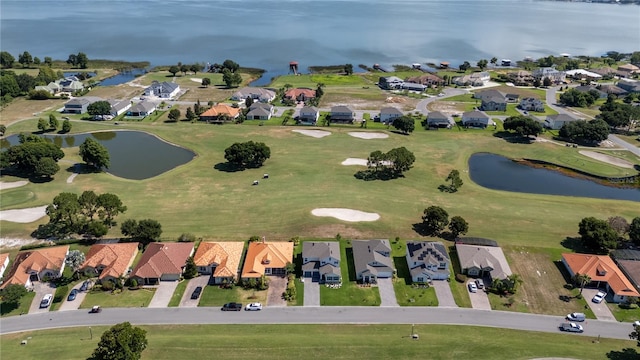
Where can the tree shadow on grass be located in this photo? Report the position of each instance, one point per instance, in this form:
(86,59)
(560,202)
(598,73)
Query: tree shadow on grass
(6,308)
(576,244)
(402,267)
(624,354)
(421,229)
(351,267)
(227,167)
(399,132)
(512,138)
(81,168)
(369,175)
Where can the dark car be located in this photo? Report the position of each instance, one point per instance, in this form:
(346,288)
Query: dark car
(72,295)
(232,307)
(196,293)
(85,286)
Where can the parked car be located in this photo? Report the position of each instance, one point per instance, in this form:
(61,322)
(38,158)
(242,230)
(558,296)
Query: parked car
(480,283)
(231,307)
(96,309)
(636,323)
(46,301)
(571,327)
(599,297)
(85,285)
(472,287)
(196,293)
(72,295)
(253,307)
(576,317)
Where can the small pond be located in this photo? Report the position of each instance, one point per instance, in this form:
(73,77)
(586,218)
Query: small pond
(500,173)
(134,155)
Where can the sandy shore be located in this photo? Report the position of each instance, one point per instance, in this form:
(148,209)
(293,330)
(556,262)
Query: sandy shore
(368,135)
(11,185)
(346,214)
(607,159)
(24,215)
(313,133)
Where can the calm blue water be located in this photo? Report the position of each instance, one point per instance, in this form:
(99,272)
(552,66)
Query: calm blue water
(122,77)
(499,173)
(269,33)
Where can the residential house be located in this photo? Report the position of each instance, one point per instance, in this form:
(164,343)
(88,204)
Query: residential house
(260,111)
(162,262)
(221,260)
(70,84)
(342,114)
(255,93)
(109,262)
(37,265)
(483,261)
(77,105)
(4,262)
(414,86)
(119,107)
(321,261)
(531,104)
(426,79)
(267,258)
(308,115)
(475,79)
(548,72)
(627,70)
(492,100)
(390,82)
(604,71)
(613,90)
(163,90)
(629,263)
(632,86)
(521,78)
(389,113)
(555,122)
(591,89)
(581,74)
(439,120)
(142,109)
(511,98)
(604,273)
(476,119)
(427,260)
(300,94)
(372,260)
(220,113)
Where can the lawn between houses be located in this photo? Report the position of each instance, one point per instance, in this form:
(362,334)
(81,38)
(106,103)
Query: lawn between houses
(347,342)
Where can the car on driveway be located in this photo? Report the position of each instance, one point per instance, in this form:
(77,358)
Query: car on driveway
(85,285)
(253,307)
(480,283)
(72,295)
(571,327)
(196,293)
(231,307)
(599,297)
(46,301)
(472,287)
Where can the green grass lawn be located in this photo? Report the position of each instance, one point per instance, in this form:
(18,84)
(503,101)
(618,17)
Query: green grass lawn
(177,294)
(268,342)
(215,296)
(16,196)
(458,289)
(22,308)
(59,297)
(299,301)
(623,314)
(126,298)
(408,295)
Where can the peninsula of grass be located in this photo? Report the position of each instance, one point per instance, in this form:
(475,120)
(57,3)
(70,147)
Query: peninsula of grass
(347,342)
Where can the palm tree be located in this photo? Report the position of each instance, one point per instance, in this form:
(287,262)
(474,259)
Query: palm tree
(581,280)
(514,281)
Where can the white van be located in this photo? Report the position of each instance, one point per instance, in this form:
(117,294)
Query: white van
(576,317)
(46,301)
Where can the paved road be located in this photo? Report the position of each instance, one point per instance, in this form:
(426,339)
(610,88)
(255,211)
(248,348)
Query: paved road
(616,140)
(310,315)
(422,104)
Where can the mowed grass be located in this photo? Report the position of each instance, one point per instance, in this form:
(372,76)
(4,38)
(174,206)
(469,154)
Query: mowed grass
(22,308)
(408,294)
(177,294)
(624,314)
(215,296)
(346,342)
(126,298)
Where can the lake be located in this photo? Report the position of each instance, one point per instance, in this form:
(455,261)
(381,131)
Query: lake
(269,33)
(500,173)
(134,155)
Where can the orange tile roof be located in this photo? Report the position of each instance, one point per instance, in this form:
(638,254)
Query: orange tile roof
(163,258)
(266,254)
(601,268)
(3,258)
(221,109)
(226,255)
(116,258)
(36,260)
(294,93)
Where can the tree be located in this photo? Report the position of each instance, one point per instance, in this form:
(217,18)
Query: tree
(634,230)
(110,206)
(456,182)
(594,131)
(619,224)
(74,260)
(3,129)
(230,65)
(82,60)
(248,154)
(206,82)
(435,219)
(194,68)
(482,64)
(404,123)
(494,60)
(174,114)
(523,125)
(72,60)
(42,124)
(536,82)
(63,212)
(401,160)
(231,79)
(66,126)
(25,59)
(174,70)
(37,61)
(94,154)
(121,342)
(348,69)
(96,229)
(48,61)
(190,269)
(53,122)
(13,293)
(6,59)
(88,201)
(573,97)
(546,82)
(191,115)
(25,82)
(26,156)
(184,69)
(581,280)
(464,66)
(129,227)
(635,334)
(99,108)
(46,167)
(148,230)
(458,226)
(597,234)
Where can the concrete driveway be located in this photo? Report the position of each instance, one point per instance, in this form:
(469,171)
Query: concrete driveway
(164,292)
(479,300)
(277,285)
(387,294)
(601,311)
(75,304)
(311,293)
(201,280)
(41,289)
(443,293)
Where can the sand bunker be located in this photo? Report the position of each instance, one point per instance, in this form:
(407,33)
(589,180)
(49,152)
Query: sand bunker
(368,135)
(346,214)
(198,80)
(313,133)
(361,162)
(23,215)
(607,158)
(11,185)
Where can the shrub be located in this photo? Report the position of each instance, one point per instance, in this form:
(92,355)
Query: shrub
(461,278)
(186,237)
(108,285)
